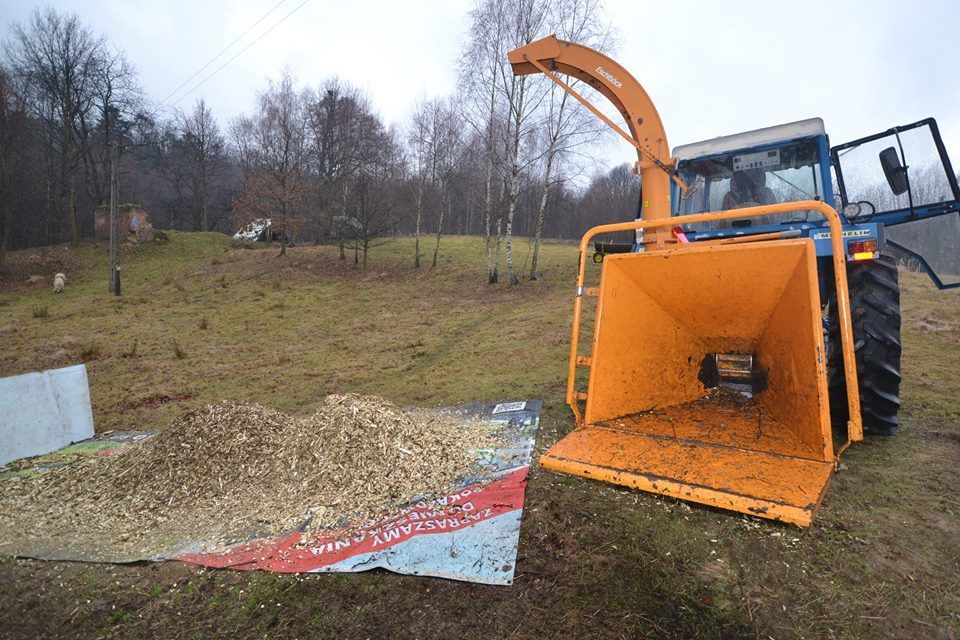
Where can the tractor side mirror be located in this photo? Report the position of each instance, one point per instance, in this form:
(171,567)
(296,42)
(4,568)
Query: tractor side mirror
(895,172)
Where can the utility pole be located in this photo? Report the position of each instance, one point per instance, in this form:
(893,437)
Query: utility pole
(114,224)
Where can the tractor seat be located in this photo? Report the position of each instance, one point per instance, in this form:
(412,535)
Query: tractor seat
(747,189)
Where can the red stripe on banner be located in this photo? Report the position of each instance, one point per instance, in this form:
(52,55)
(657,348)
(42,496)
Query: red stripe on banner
(292,553)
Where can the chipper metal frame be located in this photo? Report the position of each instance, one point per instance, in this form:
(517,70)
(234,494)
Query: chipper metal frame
(711,469)
(732,477)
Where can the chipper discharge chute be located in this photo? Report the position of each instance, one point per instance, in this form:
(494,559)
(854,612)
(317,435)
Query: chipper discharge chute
(708,376)
(707,379)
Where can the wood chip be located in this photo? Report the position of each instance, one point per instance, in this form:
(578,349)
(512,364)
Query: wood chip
(239,469)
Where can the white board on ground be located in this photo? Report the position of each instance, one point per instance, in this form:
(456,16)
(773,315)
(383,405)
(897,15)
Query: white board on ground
(43,411)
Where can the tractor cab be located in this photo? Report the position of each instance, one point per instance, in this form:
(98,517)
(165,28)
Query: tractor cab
(786,163)
(910,210)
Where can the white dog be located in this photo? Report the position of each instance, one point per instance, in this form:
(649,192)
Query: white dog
(59,282)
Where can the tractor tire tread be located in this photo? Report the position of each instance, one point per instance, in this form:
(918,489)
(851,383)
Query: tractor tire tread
(875,305)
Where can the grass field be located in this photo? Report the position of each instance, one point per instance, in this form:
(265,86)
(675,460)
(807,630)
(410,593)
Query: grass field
(200,321)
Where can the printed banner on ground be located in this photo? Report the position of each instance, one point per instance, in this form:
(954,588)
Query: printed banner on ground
(470,534)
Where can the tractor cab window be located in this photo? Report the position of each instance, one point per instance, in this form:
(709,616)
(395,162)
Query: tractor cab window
(784,173)
(903,179)
(914,151)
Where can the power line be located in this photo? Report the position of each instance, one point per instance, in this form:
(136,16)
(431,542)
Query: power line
(222,51)
(239,53)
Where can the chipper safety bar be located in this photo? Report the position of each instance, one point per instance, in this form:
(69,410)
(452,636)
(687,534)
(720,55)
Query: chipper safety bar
(707,372)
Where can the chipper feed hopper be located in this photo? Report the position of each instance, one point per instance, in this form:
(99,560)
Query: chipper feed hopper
(752,330)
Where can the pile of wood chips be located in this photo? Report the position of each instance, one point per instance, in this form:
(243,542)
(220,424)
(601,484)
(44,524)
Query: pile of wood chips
(231,470)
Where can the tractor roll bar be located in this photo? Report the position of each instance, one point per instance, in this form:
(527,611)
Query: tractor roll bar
(854,425)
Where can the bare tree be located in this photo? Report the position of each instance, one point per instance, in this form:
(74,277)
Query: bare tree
(115,104)
(418,139)
(13,126)
(437,150)
(59,59)
(528,20)
(566,121)
(273,145)
(205,154)
(345,136)
(480,84)
(374,207)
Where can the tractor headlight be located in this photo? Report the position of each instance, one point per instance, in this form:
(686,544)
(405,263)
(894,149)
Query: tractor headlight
(852,210)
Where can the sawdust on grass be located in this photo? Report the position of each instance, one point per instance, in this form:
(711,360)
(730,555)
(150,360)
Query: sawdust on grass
(226,472)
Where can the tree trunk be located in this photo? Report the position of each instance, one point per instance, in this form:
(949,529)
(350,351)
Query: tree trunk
(49,207)
(74,221)
(6,189)
(495,277)
(416,243)
(508,233)
(443,202)
(547,174)
(541,214)
(283,230)
(514,183)
(343,209)
(488,184)
(204,224)
(364,269)
(487,215)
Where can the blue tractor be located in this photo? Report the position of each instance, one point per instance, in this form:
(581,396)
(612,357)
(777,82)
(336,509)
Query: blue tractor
(756,311)
(899,199)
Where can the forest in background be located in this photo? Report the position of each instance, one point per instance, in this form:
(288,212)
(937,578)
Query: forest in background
(500,157)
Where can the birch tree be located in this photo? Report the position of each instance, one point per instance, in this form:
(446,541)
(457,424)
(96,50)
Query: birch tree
(481,75)
(418,138)
(436,141)
(566,121)
(447,150)
(528,18)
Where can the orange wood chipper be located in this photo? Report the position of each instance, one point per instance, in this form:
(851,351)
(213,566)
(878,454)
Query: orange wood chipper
(727,339)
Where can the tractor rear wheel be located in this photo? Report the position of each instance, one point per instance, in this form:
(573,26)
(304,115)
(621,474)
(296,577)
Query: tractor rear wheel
(875,313)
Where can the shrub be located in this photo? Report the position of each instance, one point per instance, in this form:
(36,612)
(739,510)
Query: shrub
(178,351)
(132,352)
(90,352)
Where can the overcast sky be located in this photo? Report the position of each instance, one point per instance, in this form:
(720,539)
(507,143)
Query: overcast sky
(712,68)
